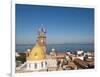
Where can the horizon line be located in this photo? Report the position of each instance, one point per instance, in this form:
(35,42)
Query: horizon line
(56,43)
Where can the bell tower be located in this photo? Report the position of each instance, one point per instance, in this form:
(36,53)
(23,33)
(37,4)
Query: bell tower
(42,38)
(37,57)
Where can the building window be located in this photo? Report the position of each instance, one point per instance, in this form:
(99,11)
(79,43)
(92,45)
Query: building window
(35,66)
(41,64)
(45,63)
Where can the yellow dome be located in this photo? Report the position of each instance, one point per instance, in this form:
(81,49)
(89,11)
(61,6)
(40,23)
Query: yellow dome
(36,53)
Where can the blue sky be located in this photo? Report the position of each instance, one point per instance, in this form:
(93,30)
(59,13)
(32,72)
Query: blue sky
(63,24)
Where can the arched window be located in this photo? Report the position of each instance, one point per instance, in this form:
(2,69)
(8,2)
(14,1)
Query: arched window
(45,63)
(41,64)
(35,65)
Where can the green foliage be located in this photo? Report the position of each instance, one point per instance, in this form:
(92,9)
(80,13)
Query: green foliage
(22,59)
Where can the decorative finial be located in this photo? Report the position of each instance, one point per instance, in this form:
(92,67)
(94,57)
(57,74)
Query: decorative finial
(42,29)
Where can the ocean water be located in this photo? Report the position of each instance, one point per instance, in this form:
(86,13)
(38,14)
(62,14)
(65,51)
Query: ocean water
(58,47)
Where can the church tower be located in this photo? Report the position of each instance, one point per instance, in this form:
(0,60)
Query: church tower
(36,60)
(42,38)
